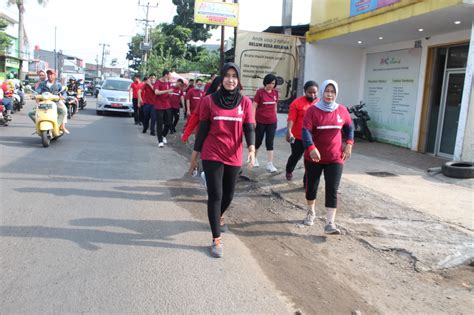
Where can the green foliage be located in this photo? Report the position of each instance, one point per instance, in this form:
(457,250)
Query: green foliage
(171,45)
(185,17)
(5,40)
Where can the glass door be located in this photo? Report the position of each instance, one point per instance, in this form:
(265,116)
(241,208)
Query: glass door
(449,112)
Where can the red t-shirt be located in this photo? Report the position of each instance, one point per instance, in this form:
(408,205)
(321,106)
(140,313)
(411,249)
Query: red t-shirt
(266,106)
(224,140)
(148,94)
(194,96)
(326,129)
(207,86)
(135,86)
(162,101)
(296,114)
(175,98)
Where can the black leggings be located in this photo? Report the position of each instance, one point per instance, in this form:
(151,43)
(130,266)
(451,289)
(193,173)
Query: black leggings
(163,123)
(175,118)
(332,178)
(267,130)
(220,181)
(297,151)
(135,110)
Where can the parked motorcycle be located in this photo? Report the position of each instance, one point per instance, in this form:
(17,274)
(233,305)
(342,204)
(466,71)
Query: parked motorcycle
(360,119)
(71,103)
(47,126)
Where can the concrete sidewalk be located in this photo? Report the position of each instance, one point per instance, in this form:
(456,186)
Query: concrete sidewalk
(403,208)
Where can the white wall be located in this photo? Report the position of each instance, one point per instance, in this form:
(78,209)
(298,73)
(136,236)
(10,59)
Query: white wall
(342,64)
(425,43)
(468,142)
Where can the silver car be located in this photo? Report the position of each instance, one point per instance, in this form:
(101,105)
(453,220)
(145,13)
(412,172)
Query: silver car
(114,97)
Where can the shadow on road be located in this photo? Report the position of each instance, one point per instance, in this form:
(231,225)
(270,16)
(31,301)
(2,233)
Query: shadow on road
(145,233)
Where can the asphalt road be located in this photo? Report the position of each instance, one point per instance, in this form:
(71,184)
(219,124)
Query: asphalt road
(88,225)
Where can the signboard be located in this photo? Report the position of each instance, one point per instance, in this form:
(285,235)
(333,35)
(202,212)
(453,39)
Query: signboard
(390,92)
(216,13)
(364,6)
(12,63)
(259,54)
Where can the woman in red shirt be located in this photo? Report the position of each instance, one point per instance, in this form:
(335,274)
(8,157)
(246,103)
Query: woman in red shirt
(224,118)
(295,123)
(322,127)
(265,104)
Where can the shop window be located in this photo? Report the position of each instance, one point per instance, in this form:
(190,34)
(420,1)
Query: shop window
(457,57)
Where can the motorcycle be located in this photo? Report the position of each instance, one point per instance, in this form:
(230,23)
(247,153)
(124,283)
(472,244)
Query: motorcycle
(71,103)
(17,106)
(47,126)
(360,119)
(4,118)
(82,99)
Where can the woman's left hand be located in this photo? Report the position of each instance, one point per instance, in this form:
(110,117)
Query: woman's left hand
(251,159)
(347,152)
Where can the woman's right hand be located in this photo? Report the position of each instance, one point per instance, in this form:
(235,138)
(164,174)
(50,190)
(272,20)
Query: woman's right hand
(289,135)
(194,162)
(315,155)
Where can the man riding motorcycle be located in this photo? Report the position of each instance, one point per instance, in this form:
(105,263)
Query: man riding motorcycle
(53,87)
(73,86)
(7,100)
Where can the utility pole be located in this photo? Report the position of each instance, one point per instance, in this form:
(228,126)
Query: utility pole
(286,16)
(103,55)
(145,45)
(55,53)
(235,33)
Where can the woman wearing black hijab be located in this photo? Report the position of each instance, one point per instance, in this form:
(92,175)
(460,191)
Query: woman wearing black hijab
(224,118)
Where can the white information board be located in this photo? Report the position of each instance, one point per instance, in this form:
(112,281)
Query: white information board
(390,92)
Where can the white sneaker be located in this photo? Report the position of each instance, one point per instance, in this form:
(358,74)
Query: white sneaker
(160,145)
(309,220)
(256,164)
(164,140)
(271,168)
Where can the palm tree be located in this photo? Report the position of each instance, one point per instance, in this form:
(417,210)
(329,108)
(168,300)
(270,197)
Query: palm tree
(21,27)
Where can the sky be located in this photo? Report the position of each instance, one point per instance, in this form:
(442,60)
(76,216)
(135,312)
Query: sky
(82,25)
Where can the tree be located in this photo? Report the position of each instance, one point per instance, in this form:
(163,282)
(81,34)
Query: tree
(21,26)
(5,40)
(172,46)
(185,17)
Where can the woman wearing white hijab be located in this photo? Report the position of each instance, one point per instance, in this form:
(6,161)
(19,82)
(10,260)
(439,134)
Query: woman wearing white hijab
(322,138)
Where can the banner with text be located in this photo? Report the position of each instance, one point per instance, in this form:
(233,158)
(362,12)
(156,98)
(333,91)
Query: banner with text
(390,93)
(216,13)
(259,54)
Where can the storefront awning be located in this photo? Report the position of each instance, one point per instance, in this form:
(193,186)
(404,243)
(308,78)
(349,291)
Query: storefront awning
(421,26)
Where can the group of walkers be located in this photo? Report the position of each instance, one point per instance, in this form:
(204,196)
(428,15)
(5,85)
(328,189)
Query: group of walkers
(221,117)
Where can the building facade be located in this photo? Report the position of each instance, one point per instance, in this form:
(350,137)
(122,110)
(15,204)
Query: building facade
(410,61)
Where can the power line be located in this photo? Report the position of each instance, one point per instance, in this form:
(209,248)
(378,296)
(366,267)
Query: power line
(145,43)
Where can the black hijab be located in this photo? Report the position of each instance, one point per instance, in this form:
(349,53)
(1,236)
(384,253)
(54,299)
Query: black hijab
(225,98)
(214,85)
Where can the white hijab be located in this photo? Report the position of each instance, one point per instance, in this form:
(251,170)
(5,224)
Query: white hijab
(322,105)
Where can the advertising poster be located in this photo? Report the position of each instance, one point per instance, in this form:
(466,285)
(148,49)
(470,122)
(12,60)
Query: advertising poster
(216,13)
(390,92)
(259,54)
(364,6)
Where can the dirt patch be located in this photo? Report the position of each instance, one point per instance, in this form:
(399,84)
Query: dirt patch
(335,274)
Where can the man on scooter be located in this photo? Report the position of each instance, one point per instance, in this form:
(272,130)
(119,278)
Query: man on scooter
(53,87)
(7,100)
